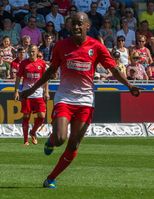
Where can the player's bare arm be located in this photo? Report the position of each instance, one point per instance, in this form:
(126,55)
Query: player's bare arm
(46,92)
(135,91)
(16,93)
(46,76)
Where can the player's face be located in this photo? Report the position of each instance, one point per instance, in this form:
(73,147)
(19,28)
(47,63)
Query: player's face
(79,26)
(33,51)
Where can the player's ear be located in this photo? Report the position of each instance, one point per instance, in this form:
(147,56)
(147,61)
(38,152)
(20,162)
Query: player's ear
(88,26)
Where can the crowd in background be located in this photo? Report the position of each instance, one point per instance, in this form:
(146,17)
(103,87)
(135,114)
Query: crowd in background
(125,29)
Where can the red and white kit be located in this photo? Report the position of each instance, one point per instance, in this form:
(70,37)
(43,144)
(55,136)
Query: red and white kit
(32,71)
(77,66)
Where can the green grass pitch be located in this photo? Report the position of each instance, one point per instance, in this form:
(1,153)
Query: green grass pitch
(105,168)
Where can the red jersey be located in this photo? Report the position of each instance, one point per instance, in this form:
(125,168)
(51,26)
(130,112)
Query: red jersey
(77,65)
(14,66)
(32,71)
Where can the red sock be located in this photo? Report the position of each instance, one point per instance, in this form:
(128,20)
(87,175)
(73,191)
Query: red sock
(38,122)
(25,125)
(63,163)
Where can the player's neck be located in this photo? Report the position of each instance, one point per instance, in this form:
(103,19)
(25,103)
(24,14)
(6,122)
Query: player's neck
(32,59)
(78,41)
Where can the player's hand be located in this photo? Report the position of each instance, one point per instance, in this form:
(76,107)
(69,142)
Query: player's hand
(16,96)
(26,93)
(135,91)
(46,96)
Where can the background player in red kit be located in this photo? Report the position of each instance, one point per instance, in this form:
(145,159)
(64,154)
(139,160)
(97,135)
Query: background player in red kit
(77,58)
(31,70)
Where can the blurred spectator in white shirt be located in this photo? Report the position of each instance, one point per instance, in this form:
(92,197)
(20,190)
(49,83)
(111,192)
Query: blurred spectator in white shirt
(55,17)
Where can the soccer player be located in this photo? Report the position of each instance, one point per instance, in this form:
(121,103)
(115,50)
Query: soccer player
(31,70)
(77,57)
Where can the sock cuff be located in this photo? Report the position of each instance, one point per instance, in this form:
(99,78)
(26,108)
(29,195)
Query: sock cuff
(70,155)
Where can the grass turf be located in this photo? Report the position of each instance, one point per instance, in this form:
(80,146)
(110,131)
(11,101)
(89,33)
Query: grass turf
(106,168)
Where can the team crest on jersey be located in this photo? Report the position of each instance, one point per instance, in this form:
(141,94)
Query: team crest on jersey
(39,67)
(91,52)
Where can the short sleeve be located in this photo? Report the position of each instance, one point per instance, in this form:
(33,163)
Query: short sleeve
(105,58)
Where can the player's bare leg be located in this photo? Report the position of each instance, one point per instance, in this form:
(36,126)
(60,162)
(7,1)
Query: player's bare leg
(37,123)
(59,135)
(25,126)
(78,130)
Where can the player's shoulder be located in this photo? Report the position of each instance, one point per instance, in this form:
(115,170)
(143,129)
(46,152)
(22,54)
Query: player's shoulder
(41,61)
(24,62)
(94,42)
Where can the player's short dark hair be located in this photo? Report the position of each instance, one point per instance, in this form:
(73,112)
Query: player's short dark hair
(21,48)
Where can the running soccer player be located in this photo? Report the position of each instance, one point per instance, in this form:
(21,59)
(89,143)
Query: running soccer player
(31,70)
(77,57)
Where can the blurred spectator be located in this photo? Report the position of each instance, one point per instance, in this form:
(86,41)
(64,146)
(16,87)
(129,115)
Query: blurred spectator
(66,31)
(8,50)
(82,5)
(73,9)
(47,46)
(127,33)
(64,6)
(124,52)
(16,26)
(152,47)
(40,20)
(132,21)
(103,6)
(107,34)
(128,4)
(143,51)
(148,15)
(55,17)
(102,73)
(32,30)
(4,67)
(150,71)
(41,56)
(3,14)
(121,66)
(136,71)
(16,62)
(50,29)
(6,6)
(25,43)
(19,9)
(95,17)
(144,30)
(44,7)
(115,22)
(93,32)
(9,31)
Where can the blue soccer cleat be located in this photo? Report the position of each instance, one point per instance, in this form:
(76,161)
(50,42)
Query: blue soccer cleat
(51,184)
(48,148)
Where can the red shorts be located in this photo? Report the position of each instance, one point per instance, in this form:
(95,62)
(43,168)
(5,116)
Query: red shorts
(33,105)
(73,112)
